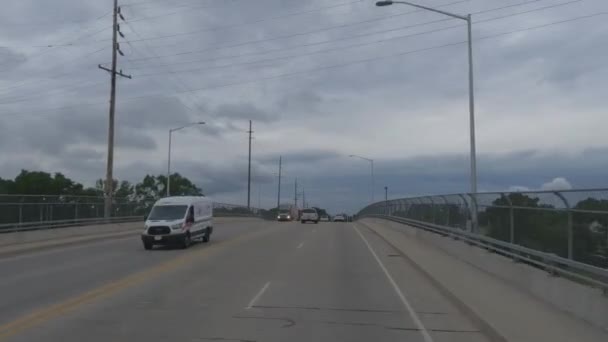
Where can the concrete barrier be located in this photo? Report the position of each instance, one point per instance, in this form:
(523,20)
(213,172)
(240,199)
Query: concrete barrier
(584,302)
(62,233)
(92,231)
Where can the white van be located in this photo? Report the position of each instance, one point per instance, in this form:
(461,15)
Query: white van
(178,221)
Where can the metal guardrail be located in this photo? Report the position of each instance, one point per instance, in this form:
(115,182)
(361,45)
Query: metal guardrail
(594,276)
(571,224)
(29,226)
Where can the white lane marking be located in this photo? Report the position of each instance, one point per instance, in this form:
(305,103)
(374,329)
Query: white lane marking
(257,296)
(423,331)
(301,244)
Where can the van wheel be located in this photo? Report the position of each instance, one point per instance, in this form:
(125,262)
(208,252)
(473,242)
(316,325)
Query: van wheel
(147,246)
(186,241)
(303,221)
(206,237)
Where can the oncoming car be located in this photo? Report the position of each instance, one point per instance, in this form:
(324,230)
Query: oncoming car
(284,216)
(324,218)
(178,221)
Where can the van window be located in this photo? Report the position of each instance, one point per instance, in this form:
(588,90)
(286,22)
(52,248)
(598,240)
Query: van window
(168,212)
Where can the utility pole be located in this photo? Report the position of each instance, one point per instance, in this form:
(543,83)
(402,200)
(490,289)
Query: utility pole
(295,194)
(249,170)
(279,191)
(303,199)
(110,162)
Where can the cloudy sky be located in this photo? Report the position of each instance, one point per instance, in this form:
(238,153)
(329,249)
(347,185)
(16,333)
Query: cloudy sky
(321,79)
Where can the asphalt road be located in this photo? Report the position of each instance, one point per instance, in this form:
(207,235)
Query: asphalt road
(255,281)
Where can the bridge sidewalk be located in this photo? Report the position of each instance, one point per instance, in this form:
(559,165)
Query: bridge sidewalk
(504,311)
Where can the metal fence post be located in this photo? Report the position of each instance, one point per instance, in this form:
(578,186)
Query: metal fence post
(432,209)
(474,213)
(447,210)
(468,209)
(21,211)
(511,219)
(570,224)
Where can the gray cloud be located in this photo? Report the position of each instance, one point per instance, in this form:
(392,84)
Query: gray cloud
(306,156)
(10,59)
(406,110)
(243,111)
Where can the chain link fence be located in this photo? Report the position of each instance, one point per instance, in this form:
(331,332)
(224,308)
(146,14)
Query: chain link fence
(20,209)
(571,224)
(226,209)
(21,212)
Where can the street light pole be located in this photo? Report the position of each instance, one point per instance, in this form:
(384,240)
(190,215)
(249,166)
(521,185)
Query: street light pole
(472,109)
(169,152)
(373,179)
(249,170)
(466,18)
(371,161)
(279,190)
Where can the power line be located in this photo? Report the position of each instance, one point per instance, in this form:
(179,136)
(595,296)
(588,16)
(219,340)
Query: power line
(317,43)
(286,36)
(249,23)
(239,44)
(178,80)
(58,75)
(46,92)
(184,7)
(205,29)
(63,21)
(149,2)
(340,65)
(299,55)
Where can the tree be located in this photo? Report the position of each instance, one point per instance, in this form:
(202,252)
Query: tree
(537,226)
(6,186)
(182,186)
(152,188)
(120,190)
(42,183)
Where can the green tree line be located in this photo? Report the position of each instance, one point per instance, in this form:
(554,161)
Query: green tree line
(141,194)
(541,227)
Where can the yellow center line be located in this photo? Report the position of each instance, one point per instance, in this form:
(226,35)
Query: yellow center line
(53,311)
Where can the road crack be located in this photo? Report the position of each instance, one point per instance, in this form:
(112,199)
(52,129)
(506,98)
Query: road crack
(288,321)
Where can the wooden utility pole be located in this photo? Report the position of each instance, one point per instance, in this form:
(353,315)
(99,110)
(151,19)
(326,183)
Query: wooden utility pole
(249,170)
(109,186)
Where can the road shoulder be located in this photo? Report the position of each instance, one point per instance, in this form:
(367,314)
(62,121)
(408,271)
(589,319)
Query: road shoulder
(508,314)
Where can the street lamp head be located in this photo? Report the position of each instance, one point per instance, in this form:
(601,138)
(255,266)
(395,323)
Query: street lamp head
(200,123)
(351,155)
(384,3)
